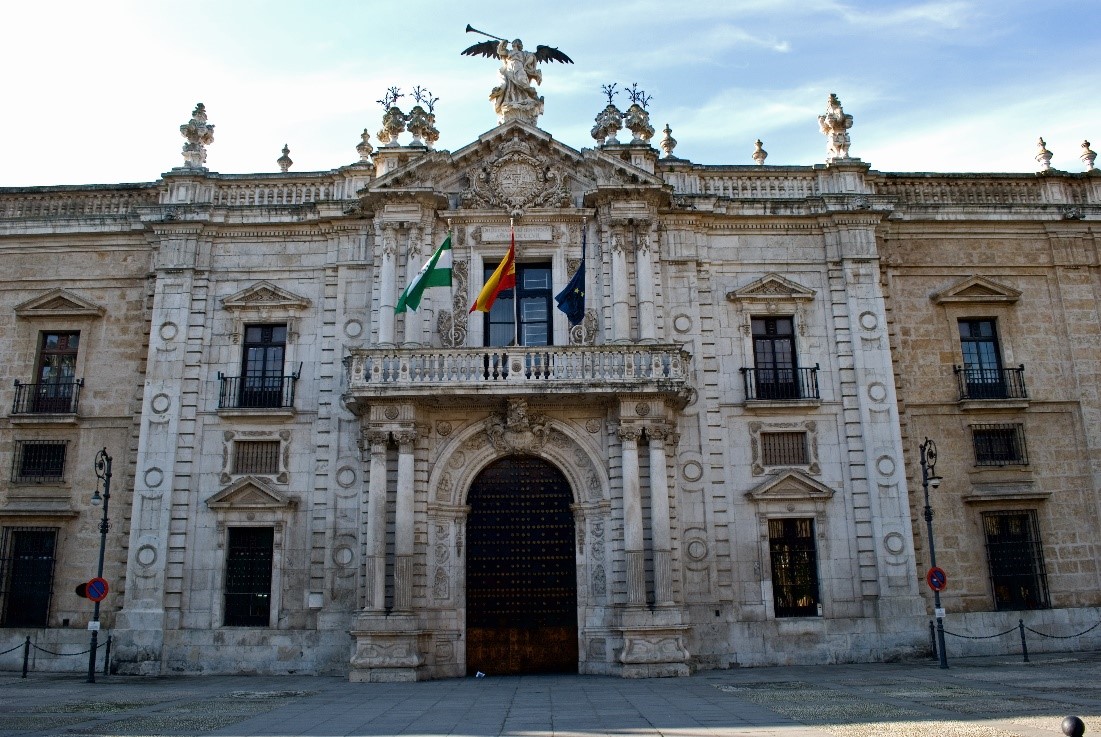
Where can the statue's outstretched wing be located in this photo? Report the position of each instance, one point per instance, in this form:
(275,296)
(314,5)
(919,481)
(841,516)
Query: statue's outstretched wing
(549,53)
(485,48)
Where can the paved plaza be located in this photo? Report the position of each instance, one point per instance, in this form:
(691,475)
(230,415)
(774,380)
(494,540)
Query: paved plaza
(979,697)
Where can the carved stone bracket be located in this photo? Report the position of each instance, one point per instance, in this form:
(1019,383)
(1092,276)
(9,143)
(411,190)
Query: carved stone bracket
(517,430)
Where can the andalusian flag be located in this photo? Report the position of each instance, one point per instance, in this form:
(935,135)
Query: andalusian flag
(435,273)
(504,277)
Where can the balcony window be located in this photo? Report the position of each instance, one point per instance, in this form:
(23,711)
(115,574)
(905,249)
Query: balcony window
(534,310)
(262,383)
(38,461)
(1016,560)
(982,376)
(56,388)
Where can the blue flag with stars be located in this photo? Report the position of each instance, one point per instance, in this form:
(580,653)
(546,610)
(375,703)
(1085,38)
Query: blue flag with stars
(571,300)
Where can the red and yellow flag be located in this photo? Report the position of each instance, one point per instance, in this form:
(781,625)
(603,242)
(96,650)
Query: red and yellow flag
(504,277)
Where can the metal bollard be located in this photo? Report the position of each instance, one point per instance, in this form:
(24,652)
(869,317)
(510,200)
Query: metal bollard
(1074,727)
(107,657)
(1024,645)
(26,655)
(933,638)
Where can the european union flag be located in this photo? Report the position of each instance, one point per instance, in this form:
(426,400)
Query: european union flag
(571,300)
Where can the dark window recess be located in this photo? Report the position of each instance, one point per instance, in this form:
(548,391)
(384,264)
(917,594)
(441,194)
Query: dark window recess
(26,576)
(534,287)
(999,444)
(982,376)
(794,567)
(775,376)
(38,461)
(256,456)
(784,448)
(248,576)
(1016,560)
(262,377)
(55,388)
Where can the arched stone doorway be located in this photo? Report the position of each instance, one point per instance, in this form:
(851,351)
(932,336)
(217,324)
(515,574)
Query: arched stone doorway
(521,570)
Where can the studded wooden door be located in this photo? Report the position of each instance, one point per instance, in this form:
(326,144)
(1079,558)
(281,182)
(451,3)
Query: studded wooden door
(521,574)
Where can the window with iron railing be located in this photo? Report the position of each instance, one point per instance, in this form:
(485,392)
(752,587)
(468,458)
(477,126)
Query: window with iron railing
(784,448)
(256,456)
(978,383)
(794,558)
(1016,559)
(249,553)
(26,576)
(999,444)
(262,383)
(38,461)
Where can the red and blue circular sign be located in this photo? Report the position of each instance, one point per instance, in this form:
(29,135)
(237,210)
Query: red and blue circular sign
(96,589)
(936,578)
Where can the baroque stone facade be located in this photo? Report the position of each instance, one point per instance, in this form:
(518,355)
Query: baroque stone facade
(302,475)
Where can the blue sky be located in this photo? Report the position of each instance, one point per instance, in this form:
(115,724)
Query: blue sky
(96,92)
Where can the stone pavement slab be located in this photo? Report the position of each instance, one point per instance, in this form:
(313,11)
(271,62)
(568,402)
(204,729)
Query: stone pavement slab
(987,697)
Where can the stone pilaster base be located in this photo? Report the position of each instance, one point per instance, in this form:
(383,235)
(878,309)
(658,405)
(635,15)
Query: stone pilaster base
(388,648)
(653,644)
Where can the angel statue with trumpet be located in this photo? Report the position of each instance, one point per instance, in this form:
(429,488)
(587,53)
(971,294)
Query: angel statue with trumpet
(516,97)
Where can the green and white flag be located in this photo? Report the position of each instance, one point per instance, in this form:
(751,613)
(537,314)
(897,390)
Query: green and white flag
(435,273)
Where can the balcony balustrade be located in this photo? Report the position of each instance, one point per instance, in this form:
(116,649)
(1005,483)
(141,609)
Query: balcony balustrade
(256,392)
(780,384)
(51,398)
(584,370)
(978,384)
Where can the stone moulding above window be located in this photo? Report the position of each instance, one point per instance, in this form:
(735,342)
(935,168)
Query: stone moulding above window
(1005,492)
(265,302)
(772,294)
(977,290)
(59,303)
(792,487)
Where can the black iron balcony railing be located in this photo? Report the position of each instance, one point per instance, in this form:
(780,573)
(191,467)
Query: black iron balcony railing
(52,398)
(991,383)
(780,384)
(256,392)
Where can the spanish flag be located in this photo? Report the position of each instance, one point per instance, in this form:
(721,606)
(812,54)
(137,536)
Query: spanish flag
(504,277)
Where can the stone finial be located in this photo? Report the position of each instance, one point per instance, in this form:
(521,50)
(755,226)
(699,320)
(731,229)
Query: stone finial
(1087,155)
(393,123)
(284,161)
(835,125)
(199,135)
(667,142)
(421,122)
(608,124)
(364,147)
(637,121)
(1043,156)
(759,153)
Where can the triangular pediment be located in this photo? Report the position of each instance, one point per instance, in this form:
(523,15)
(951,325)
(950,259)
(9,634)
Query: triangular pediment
(977,289)
(771,287)
(265,295)
(790,485)
(513,167)
(249,493)
(59,303)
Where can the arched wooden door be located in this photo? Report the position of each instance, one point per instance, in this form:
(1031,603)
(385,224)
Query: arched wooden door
(521,573)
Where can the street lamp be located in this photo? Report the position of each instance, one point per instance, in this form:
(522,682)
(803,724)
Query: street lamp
(929,478)
(103,473)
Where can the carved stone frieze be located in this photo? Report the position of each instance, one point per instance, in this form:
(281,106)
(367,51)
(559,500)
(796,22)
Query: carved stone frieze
(516,180)
(517,430)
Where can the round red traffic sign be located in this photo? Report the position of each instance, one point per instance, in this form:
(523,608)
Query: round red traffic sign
(97,589)
(936,578)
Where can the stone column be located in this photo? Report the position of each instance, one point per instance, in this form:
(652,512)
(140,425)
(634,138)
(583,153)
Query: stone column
(621,290)
(387,288)
(644,280)
(414,255)
(633,542)
(376,523)
(403,524)
(659,517)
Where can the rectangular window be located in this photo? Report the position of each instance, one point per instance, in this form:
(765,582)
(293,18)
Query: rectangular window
(534,310)
(38,461)
(999,444)
(262,377)
(784,448)
(794,567)
(774,367)
(1016,560)
(26,576)
(248,576)
(982,362)
(256,456)
(55,373)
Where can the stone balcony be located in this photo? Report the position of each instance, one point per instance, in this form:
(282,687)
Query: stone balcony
(454,374)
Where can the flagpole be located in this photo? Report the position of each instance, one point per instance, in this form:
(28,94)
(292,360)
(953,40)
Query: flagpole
(451,287)
(515,287)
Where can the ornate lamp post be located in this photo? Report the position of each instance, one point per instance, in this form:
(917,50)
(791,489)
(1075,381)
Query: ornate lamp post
(929,478)
(103,473)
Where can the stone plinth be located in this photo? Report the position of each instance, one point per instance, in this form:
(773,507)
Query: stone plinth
(387,649)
